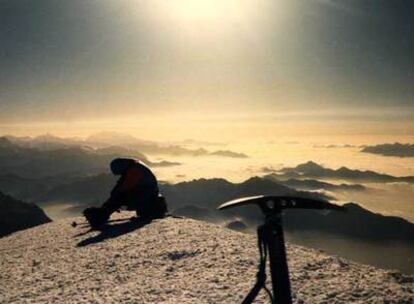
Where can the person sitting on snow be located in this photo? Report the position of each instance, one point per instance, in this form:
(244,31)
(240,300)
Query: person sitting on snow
(136,189)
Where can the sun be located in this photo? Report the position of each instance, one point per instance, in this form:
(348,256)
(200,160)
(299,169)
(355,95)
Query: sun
(201,19)
(209,13)
(198,10)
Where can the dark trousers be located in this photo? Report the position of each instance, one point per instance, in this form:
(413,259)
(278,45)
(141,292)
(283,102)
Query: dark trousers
(146,204)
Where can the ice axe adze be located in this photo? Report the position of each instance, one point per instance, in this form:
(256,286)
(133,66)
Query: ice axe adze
(271,241)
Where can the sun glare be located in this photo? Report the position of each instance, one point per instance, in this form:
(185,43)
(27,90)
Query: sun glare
(197,10)
(210,15)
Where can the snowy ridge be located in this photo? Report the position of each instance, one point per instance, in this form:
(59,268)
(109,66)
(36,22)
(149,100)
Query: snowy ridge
(172,261)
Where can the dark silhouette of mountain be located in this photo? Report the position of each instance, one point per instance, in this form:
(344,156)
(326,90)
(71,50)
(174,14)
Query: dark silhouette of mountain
(117,150)
(332,146)
(17,215)
(45,142)
(120,151)
(71,160)
(395,149)
(228,153)
(90,190)
(313,184)
(152,147)
(164,163)
(208,193)
(314,170)
(29,189)
(114,142)
(106,138)
(176,150)
(356,223)
(31,162)
(201,142)
(180,151)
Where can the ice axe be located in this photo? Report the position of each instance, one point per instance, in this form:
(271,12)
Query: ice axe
(271,241)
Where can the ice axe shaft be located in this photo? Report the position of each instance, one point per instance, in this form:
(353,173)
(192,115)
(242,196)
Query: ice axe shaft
(278,263)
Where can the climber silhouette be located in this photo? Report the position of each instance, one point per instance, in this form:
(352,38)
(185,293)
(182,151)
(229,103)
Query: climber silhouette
(136,189)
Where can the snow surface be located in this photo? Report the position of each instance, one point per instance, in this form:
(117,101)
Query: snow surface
(172,261)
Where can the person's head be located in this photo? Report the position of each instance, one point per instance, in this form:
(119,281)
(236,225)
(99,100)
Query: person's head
(119,166)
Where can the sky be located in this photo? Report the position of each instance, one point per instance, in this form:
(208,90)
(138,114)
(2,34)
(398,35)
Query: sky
(185,67)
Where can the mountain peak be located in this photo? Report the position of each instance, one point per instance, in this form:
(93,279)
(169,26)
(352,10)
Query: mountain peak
(309,166)
(51,138)
(172,260)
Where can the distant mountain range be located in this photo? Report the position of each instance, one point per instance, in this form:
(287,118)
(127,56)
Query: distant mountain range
(83,190)
(313,170)
(154,147)
(200,198)
(356,223)
(395,149)
(31,162)
(17,215)
(209,193)
(313,184)
(115,139)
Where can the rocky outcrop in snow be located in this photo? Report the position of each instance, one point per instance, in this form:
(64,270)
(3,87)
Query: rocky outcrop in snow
(17,215)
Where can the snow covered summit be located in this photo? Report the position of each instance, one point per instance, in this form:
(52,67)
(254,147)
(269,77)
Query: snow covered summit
(172,261)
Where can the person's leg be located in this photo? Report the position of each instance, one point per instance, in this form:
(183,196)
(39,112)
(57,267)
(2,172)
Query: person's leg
(160,205)
(151,206)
